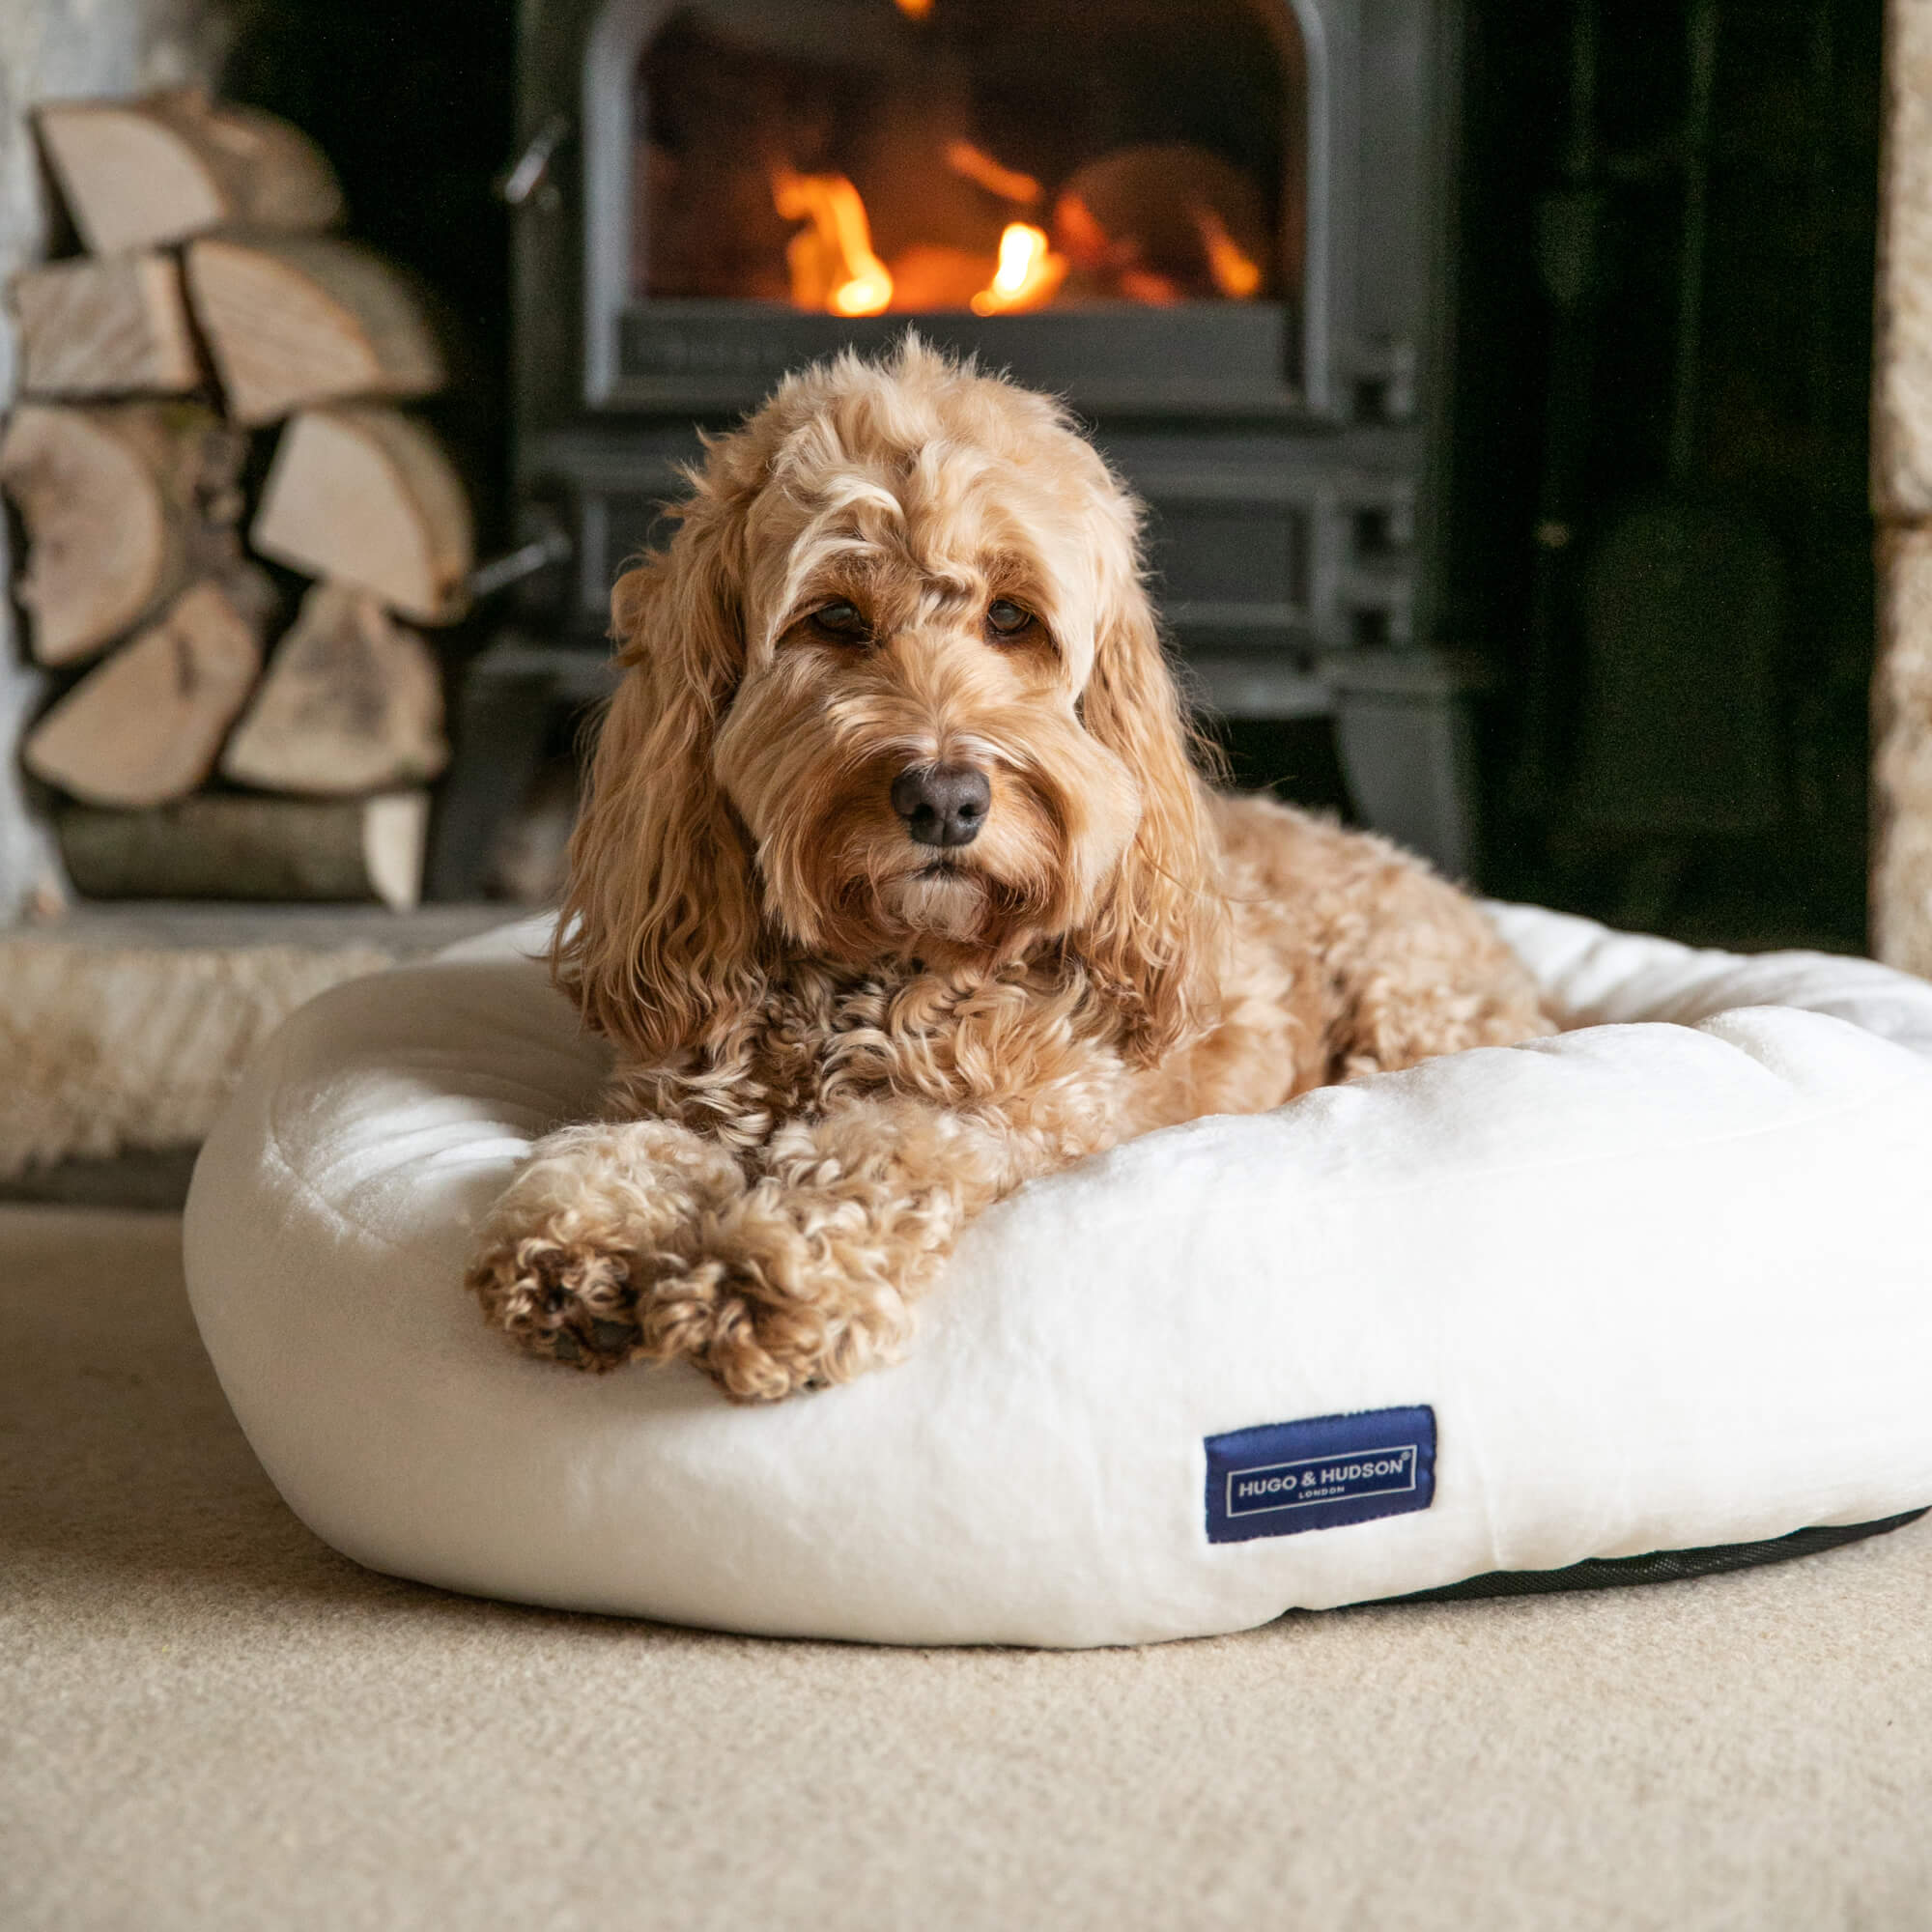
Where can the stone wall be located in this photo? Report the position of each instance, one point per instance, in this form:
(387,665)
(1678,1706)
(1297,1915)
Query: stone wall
(49,48)
(1901,885)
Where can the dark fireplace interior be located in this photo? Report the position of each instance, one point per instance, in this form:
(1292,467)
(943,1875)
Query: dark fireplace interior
(1569,413)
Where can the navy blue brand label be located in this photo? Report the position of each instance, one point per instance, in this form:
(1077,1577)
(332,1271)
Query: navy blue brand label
(1319,1473)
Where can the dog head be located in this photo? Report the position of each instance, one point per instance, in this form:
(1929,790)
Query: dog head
(894,692)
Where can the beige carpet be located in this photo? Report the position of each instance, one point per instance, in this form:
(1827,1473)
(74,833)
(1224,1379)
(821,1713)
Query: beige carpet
(208,1720)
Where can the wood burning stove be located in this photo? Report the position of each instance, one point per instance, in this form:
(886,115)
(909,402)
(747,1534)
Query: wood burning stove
(1218,227)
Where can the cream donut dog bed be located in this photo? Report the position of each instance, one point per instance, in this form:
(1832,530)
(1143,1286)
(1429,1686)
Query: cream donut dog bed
(1640,1286)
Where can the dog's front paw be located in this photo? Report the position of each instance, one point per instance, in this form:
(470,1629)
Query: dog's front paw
(805,1282)
(763,1328)
(570,1301)
(567,1260)
(641,1242)
(759,1325)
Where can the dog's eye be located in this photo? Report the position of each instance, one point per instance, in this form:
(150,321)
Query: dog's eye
(1006,619)
(841,619)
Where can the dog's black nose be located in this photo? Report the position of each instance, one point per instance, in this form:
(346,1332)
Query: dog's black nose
(942,805)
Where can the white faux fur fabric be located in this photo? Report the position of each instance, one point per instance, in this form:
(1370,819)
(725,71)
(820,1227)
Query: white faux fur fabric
(105,1049)
(1662,1281)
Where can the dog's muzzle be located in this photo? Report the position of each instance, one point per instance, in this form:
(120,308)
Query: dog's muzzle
(942,805)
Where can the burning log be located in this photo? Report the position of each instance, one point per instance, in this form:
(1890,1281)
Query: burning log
(136,173)
(365,496)
(977,166)
(1162,223)
(351,704)
(1236,274)
(145,727)
(307,318)
(105,327)
(1029,273)
(215,846)
(123,506)
(831,262)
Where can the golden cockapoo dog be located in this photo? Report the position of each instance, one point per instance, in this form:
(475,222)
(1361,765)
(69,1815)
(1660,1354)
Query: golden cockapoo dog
(896,887)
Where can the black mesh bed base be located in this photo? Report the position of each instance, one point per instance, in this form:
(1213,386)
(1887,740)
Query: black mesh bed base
(1661,1566)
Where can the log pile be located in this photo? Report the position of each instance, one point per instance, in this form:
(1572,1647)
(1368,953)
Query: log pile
(197,752)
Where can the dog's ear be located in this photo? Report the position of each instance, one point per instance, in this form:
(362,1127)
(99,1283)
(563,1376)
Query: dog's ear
(657,941)
(1157,934)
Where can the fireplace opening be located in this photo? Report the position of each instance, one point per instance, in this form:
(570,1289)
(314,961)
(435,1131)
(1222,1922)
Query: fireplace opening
(1099,192)
(889,156)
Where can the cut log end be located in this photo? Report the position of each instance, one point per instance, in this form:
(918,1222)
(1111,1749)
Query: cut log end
(139,173)
(351,704)
(365,496)
(145,727)
(307,319)
(114,327)
(123,506)
(395,836)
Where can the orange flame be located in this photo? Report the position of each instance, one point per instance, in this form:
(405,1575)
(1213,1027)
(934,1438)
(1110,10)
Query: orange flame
(1029,273)
(979,167)
(1234,275)
(831,263)
(914,10)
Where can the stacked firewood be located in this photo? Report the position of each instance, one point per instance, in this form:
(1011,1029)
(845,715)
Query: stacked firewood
(213,307)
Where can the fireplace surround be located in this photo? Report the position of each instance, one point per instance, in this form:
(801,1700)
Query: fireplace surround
(1241,207)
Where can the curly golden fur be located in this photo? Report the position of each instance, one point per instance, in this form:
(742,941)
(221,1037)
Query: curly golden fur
(848,1016)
